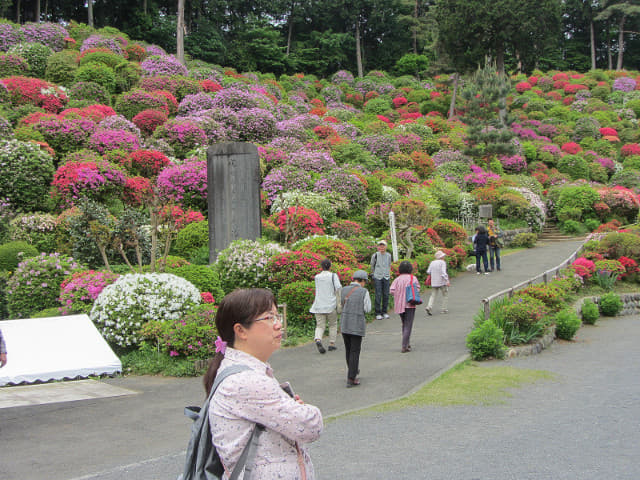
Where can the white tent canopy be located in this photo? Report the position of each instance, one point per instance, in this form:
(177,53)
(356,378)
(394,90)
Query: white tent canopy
(55,348)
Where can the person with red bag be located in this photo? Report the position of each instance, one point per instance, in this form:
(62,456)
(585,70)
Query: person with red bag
(406,310)
(437,271)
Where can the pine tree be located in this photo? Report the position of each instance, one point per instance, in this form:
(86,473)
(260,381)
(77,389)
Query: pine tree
(485,113)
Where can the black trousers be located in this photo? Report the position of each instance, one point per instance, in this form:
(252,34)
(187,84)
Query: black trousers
(352,344)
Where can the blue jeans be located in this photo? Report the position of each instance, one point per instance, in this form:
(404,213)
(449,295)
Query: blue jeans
(382,295)
(485,261)
(494,251)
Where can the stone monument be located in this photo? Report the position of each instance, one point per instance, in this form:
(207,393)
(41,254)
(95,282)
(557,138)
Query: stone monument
(233,194)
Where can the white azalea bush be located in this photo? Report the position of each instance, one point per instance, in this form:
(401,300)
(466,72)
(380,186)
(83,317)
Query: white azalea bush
(134,299)
(242,263)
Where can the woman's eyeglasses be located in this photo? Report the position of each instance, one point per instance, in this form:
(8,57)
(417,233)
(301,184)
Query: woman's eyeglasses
(272,319)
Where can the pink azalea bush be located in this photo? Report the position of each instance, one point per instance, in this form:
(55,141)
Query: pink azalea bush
(78,292)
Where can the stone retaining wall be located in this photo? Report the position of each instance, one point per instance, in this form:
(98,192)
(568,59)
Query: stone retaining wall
(630,306)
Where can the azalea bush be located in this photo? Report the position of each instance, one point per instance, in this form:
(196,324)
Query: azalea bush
(288,267)
(25,174)
(39,229)
(80,290)
(182,135)
(192,336)
(96,180)
(299,296)
(135,299)
(185,183)
(35,284)
(243,264)
(337,251)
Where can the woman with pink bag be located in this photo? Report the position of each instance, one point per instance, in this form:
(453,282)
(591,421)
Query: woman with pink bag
(406,311)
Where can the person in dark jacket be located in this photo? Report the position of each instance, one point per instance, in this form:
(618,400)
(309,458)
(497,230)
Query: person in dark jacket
(480,243)
(355,303)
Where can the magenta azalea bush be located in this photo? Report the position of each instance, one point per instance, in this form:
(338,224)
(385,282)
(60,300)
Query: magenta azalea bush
(162,65)
(78,292)
(104,140)
(185,184)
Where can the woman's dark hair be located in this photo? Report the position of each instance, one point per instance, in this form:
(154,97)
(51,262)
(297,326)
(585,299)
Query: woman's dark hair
(240,306)
(325,264)
(481,229)
(405,267)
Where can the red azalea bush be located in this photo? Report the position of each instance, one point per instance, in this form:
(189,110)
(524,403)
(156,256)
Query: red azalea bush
(571,148)
(608,132)
(172,101)
(423,164)
(138,191)
(523,87)
(583,267)
(210,86)
(450,232)
(148,120)
(289,267)
(434,237)
(630,149)
(130,103)
(97,180)
(180,218)
(335,250)
(95,113)
(299,222)
(346,228)
(147,163)
(33,91)
(630,266)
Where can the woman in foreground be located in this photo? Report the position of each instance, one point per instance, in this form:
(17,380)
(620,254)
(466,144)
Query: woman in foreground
(250,331)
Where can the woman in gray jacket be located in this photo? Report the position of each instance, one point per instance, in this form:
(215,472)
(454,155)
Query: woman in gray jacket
(355,303)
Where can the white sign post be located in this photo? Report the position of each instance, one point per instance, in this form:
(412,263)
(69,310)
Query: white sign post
(394,241)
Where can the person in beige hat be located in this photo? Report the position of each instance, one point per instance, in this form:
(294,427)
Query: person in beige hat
(439,281)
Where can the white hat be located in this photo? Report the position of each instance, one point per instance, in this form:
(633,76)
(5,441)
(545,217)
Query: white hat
(440,254)
(382,242)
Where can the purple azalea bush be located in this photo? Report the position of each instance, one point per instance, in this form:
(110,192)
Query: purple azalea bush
(344,183)
(162,65)
(182,135)
(513,163)
(119,122)
(50,34)
(380,145)
(256,125)
(447,156)
(478,177)
(9,36)
(104,140)
(66,135)
(238,99)
(99,41)
(283,179)
(624,84)
(312,161)
(195,103)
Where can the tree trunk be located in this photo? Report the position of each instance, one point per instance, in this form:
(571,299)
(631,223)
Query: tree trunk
(290,32)
(180,33)
(18,8)
(452,105)
(90,13)
(144,7)
(621,42)
(358,50)
(609,56)
(500,59)
(592,38)
(415,28)
(37,19)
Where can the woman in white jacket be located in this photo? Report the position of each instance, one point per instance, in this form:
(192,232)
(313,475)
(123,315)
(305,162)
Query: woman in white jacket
(439,282)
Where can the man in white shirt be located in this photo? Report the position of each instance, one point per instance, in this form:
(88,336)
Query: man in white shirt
(324,305)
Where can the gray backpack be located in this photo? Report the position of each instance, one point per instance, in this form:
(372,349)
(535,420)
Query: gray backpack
(202,461)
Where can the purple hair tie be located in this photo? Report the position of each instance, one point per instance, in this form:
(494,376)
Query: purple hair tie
(221,345)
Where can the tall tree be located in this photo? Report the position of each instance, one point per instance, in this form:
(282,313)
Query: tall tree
(620,11)
(180,32)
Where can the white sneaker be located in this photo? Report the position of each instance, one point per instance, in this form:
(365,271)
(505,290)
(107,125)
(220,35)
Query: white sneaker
(486,273)
(378,317)
(386,315)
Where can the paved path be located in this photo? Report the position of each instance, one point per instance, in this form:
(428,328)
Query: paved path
(144,434)
(584,424)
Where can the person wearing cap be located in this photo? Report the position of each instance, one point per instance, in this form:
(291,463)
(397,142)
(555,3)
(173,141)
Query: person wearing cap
(355,304)
(439,281)
(381,273)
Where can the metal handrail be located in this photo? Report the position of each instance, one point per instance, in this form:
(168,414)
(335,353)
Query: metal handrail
(546,277)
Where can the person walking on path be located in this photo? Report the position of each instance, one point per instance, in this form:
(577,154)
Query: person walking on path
(381,273)
(355,304)
(250,331)
(480,242)
(3,351)
(406,311)
(495,244)
(439,282)
(324,305)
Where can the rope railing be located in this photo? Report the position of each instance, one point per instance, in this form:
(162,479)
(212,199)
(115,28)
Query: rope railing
(546,277)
